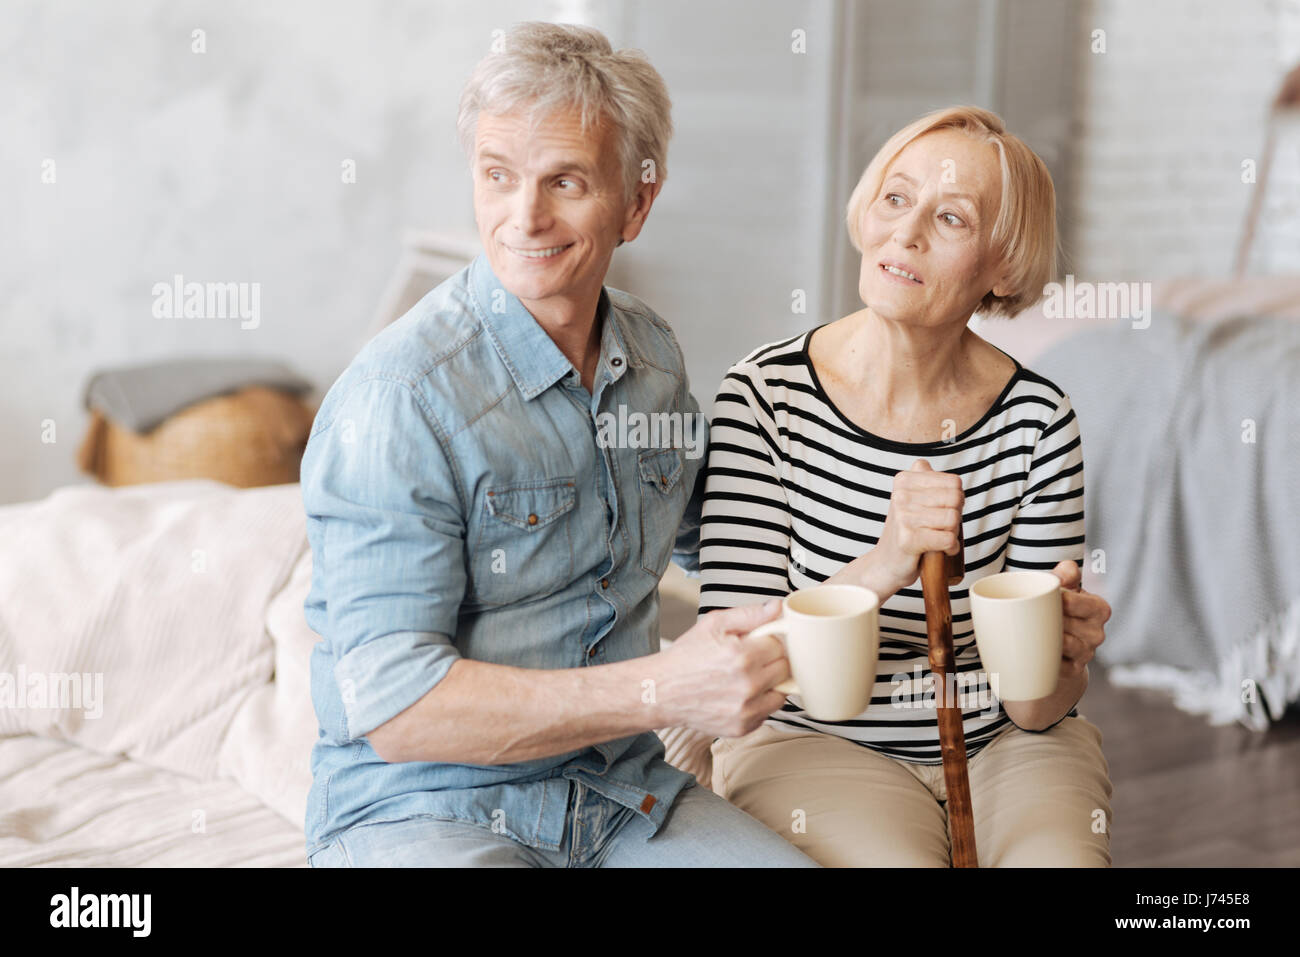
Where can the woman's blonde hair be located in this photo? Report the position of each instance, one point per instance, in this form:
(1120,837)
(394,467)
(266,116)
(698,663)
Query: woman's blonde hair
(1024,233)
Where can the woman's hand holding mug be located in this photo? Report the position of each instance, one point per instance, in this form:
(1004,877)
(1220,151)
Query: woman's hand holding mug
(1084,617)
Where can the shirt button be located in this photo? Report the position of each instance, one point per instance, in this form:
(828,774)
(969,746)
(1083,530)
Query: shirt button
(604,583)
(532,519)
(616,362)
(592,652)
(663,480)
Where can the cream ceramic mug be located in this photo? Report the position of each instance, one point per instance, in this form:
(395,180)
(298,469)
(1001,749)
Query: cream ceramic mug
(832,638)
(1018,630)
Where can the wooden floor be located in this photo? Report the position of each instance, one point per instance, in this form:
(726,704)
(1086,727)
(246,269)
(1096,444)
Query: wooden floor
(1186,793)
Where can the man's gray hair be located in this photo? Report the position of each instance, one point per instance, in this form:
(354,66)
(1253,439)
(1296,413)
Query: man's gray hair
(544,67)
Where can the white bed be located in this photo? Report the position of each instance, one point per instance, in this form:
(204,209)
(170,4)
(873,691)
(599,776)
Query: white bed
(62,805)
(185,598)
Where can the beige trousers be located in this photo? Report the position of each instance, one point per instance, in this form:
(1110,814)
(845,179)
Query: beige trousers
(1039,800)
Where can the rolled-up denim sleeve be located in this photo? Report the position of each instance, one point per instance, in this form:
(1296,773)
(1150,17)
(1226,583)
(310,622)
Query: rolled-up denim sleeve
(387,534)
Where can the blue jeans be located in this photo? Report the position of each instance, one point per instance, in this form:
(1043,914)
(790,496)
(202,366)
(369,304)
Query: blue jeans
(701,830)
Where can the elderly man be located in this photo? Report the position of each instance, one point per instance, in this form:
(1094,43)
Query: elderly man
(487,550)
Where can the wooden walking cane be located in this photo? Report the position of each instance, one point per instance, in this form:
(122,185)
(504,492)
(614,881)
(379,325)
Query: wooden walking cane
(938,571)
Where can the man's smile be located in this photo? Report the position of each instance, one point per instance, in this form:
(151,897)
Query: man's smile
(548,252)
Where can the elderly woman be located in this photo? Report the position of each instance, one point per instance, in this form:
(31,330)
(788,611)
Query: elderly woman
(845,453)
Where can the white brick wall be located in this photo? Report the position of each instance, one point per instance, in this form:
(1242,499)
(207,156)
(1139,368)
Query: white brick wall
(1163,120)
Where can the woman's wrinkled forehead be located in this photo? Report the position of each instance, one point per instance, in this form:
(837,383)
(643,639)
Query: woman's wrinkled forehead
(956,163)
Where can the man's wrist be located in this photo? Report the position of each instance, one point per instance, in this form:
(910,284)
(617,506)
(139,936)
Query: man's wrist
(644,677)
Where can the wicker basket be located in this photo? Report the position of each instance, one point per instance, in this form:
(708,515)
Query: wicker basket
(252,437)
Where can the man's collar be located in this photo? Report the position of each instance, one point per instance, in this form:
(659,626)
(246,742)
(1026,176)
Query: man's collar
(534,360)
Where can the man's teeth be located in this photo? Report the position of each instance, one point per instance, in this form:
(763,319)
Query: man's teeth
(901,272)
(539,253)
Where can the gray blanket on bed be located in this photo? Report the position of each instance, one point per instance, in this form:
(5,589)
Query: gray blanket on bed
(1191,441)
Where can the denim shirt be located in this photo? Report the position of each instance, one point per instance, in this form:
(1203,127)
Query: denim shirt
(466,497)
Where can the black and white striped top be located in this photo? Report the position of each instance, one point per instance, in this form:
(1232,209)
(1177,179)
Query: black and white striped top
(795,490)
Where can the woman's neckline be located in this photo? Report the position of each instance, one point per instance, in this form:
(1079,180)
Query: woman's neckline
(942,445)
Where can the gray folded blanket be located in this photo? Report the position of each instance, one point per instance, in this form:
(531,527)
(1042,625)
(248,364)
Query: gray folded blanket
(139,397)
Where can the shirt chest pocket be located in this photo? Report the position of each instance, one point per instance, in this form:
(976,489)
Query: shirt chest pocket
(663,501)
(524,546)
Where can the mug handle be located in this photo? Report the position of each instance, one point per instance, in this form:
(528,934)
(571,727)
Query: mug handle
(777,627)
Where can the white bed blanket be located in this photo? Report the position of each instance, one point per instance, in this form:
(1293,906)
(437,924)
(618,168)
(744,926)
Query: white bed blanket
(157,597)
(64,806)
